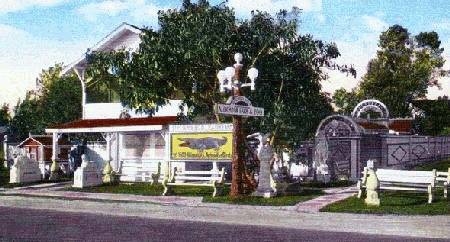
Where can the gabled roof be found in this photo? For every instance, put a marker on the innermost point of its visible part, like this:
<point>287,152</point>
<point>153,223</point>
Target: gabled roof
<point>113,41</point>
<point>45,140</point>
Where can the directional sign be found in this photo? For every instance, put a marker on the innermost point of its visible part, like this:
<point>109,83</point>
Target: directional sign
<point>239,110</point>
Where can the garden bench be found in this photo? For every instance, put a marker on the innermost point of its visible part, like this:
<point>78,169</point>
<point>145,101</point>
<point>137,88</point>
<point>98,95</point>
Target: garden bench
<point>400,180</point>
<point>214,179</point>
<point>443,180</point>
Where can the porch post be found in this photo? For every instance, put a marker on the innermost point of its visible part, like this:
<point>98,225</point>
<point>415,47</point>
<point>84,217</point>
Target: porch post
<point>54,169</point>
<point>5,151</point>
<point>108,174</point>
<point>80,73</point>
<point>117,153</point>
<point>167,166</point>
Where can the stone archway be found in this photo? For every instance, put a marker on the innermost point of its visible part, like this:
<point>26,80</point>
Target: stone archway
<point>341,134</point>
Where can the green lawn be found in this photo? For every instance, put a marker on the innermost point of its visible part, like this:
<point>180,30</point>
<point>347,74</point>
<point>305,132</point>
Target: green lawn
<point>312,184</point>
<point>439,166</point>
<point>288,200</point>
<point>147,189</point>
<point>400,203</point>
<point>4,176</point>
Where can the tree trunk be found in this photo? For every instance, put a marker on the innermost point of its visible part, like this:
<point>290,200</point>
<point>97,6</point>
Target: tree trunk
<point>237,165</point>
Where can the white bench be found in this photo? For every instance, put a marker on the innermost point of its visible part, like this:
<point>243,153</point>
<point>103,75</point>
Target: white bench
<point>214,179</point>
<point>443,180</point>
<point>400,180</point>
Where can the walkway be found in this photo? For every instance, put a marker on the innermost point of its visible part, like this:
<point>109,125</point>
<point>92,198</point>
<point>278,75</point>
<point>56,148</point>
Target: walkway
<point>56,190</point>
<point>332,195</point>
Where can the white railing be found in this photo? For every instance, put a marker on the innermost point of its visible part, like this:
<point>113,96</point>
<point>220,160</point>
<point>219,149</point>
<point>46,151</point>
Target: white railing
<point>113,110</point>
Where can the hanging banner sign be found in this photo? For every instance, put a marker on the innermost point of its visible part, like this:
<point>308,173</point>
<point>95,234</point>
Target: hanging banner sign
<point>239,110</point>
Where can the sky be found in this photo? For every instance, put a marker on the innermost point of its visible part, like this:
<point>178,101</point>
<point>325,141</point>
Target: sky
<point>36,34</point>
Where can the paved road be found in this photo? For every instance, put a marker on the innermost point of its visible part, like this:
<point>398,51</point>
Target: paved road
<point>45,225</point>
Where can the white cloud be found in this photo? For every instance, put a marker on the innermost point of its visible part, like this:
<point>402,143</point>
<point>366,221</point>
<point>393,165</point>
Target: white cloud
<point>111,8</point>
<point>244,7</point>
<point>139,10</point>
<point>443,25</point>
<point>6,31</point>
<point>374,24</point>
<point>24,56</point>
<point>8,6</point>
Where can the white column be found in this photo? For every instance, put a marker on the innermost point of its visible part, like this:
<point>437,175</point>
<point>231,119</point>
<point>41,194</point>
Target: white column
<point>108,137</point>
<point>81,76</point>
<point>5,147</point>
<point>55,152</point>
<point>117,153</point>
<point>167,166</point>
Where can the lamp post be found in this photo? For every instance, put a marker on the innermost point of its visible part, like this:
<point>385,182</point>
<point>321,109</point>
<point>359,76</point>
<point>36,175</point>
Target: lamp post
<point>229,80</point>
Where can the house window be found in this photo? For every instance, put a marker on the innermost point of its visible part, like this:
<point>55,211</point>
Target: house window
<point>160,146</point>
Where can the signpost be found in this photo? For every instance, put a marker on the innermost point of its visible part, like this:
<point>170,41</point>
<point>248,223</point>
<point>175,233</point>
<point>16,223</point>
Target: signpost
<point>237,106</point>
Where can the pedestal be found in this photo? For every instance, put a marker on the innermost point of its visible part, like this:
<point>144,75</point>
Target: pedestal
<point>24,170</point>
<point>264,188</point>
<point>87,175</point>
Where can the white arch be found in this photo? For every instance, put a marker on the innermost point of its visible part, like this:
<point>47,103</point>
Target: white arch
<point>348,120</point>
<point>371,105</point>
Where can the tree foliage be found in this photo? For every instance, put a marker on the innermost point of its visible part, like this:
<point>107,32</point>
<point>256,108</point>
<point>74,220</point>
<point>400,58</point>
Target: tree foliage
<point>181,60</point>
<point>58,101</point>
<point>345,101</point>
<point>434,118</point>
<point>5,115</point>
<point>405,66</point>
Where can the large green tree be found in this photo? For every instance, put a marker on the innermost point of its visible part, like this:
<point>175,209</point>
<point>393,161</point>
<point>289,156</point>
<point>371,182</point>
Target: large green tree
<point>58,101</point>
<point>181,60</point>
<point>404,67</point>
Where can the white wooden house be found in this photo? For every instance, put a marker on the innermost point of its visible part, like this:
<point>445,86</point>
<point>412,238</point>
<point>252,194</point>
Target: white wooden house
<point>133,145</point>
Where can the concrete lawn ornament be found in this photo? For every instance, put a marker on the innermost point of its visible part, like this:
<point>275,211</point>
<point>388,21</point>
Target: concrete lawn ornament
<point>372,186</point>
<point>265,156</point>
<point>24,170</point>
<point>109,175</point>
<point>87,175</point>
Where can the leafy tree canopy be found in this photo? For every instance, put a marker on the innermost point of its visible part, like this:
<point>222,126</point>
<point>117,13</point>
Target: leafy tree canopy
<point>181,60</point>
<point>58,101</point>
<point>5,115</point>
<point>405,66</point>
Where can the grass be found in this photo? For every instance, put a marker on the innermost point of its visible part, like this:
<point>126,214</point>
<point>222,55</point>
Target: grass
<point>287,200</point>
<point>4,176</point>
<point>316,184</point>
<point>147,189</point>
<point>439,166</point>
<point>399,203</point>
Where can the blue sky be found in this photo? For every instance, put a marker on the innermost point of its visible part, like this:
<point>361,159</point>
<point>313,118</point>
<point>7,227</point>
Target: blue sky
<point>35,34</point>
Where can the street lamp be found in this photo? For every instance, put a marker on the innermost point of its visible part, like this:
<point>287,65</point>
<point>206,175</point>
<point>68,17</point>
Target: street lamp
<point>229,80</point>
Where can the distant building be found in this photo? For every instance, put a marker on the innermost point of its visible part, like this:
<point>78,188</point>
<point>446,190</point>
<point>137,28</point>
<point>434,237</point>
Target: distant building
<point>40,149</point>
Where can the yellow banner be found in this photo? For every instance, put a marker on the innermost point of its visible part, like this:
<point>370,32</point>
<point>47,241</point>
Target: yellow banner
<point>201,146</point>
